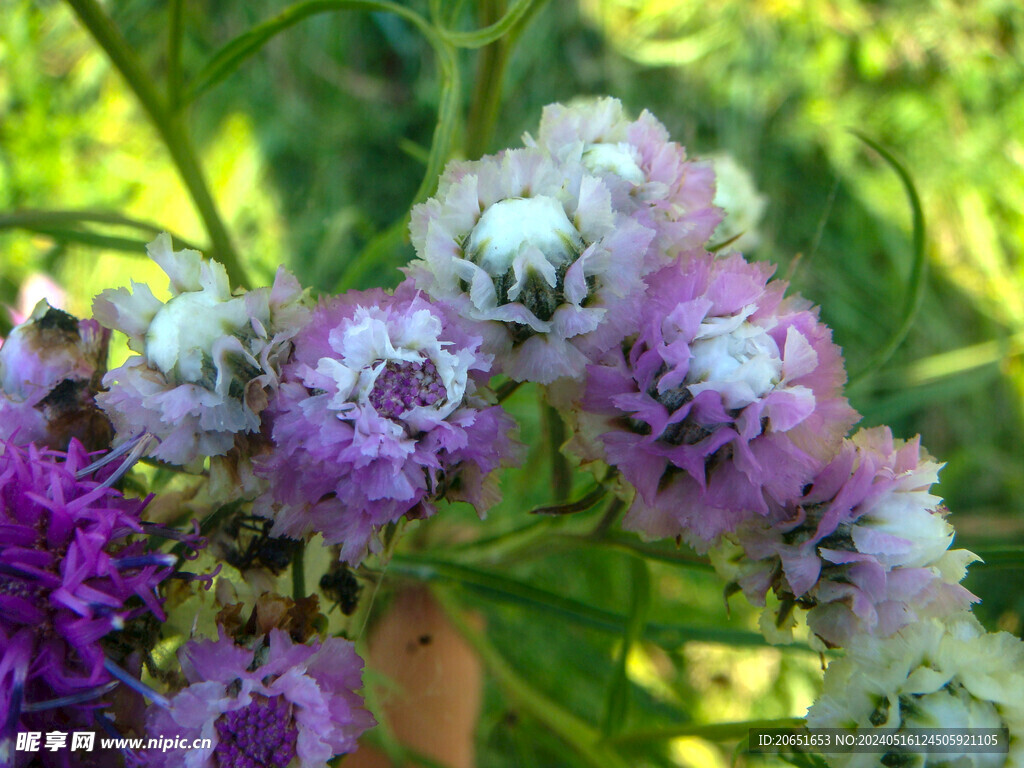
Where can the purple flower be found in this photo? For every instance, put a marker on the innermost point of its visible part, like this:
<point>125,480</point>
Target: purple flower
<point>68,577</point>
<point>537,254</point>
<point>728,398</point>
<point>648,175</point>
<point>378,416</point>
<point>208,360</point>
<point>50,370</point>
<point>263,708</point>
<point>865,549</point>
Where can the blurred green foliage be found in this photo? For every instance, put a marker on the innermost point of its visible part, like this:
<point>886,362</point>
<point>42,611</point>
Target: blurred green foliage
<point>315,148</point>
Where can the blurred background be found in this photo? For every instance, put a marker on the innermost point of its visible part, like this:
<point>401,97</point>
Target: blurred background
<point>314,150</point>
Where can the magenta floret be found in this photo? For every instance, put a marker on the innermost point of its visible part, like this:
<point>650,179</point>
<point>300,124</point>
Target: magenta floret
<point>379,415</point>
<point>264,707</point>
<point>728,398</point>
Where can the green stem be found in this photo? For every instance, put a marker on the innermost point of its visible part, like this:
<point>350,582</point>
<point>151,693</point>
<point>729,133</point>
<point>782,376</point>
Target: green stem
<point>577,733</point>
<point>561,473</point>
<point>486,98</point>
<point>299,573</point>
<point>174,12</point>
<point>171,130</point>
<point>914,293</point>
<point>712,731</point>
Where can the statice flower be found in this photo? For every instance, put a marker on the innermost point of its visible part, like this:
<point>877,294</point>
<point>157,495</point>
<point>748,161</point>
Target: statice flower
<point>932,674</point>
<point>728,398</point>
<point>68,576</point>
<point>50,370</point>
<point>537,253</point>
<point>865,549</point>
<point>280,704</point>
<point>648,174</point>
<point>742,204</point>
<point>208,360</point>
<point>379,415</point>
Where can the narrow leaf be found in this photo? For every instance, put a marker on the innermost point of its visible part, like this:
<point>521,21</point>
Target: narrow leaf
<point>230,57</point>
<point>915,284</point>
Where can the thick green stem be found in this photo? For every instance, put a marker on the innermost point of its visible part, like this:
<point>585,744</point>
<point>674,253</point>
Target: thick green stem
<point>483,110</point>
<point>171,130</point>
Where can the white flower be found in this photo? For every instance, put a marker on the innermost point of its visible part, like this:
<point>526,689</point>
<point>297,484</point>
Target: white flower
<point>934,674</point>
<point>736,194</point>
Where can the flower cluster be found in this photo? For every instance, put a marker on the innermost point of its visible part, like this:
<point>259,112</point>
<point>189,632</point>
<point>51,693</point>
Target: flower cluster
<point>580,262</point>
<point>379,415</point>
<point>546,247</point>
<point>50,370</point>
<point>932,674</point>
<point>208,360</point>
<point>266,707</point>
<point>69,576</point>
<point>727,399</point>
<point>865,549</point>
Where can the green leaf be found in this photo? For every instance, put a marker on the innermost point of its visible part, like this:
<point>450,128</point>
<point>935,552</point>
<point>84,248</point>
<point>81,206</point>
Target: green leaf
<point>915,284</point>
<point>581,504</point>
<point>69,225</point>
<point>230,57</point>
<point>497,587</point>
<point>617,703</point>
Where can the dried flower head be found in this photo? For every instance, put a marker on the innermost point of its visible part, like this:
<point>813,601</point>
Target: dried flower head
<point>50,370</point>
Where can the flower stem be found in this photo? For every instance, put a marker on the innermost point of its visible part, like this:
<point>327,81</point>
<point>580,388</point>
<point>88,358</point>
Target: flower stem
<point>171,130</point>
<point>486,98</point>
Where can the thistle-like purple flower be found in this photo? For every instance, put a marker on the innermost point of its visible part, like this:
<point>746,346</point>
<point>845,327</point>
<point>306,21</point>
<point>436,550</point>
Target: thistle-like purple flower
<point>264,708</point>
<point>208,360</point>
<point>865,550</point>
<point>648,175</point>
<point>68,577</point>
<point>728,398</point>
<point>50,369</point>
<point>536,252</point>
<point>378,416</point>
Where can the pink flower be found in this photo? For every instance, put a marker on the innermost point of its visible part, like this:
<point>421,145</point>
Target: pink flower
<point>537,254</point>
<point>264,707</point>
<point>379,415</point>
<point>68,577</point>
<point>208,360</point>
<point>865,550</point>
<point>648,175</point>
<point>727,399</point>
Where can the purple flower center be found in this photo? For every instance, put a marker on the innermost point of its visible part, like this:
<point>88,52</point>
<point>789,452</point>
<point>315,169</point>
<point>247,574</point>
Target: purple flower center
<point>402,386</point>
<point>261,735</point>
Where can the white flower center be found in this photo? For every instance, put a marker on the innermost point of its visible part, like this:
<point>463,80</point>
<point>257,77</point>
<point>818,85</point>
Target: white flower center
<point>511,226</point>
<point>735,358</point>
<point>619,159</point>
<point>181,336</point>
